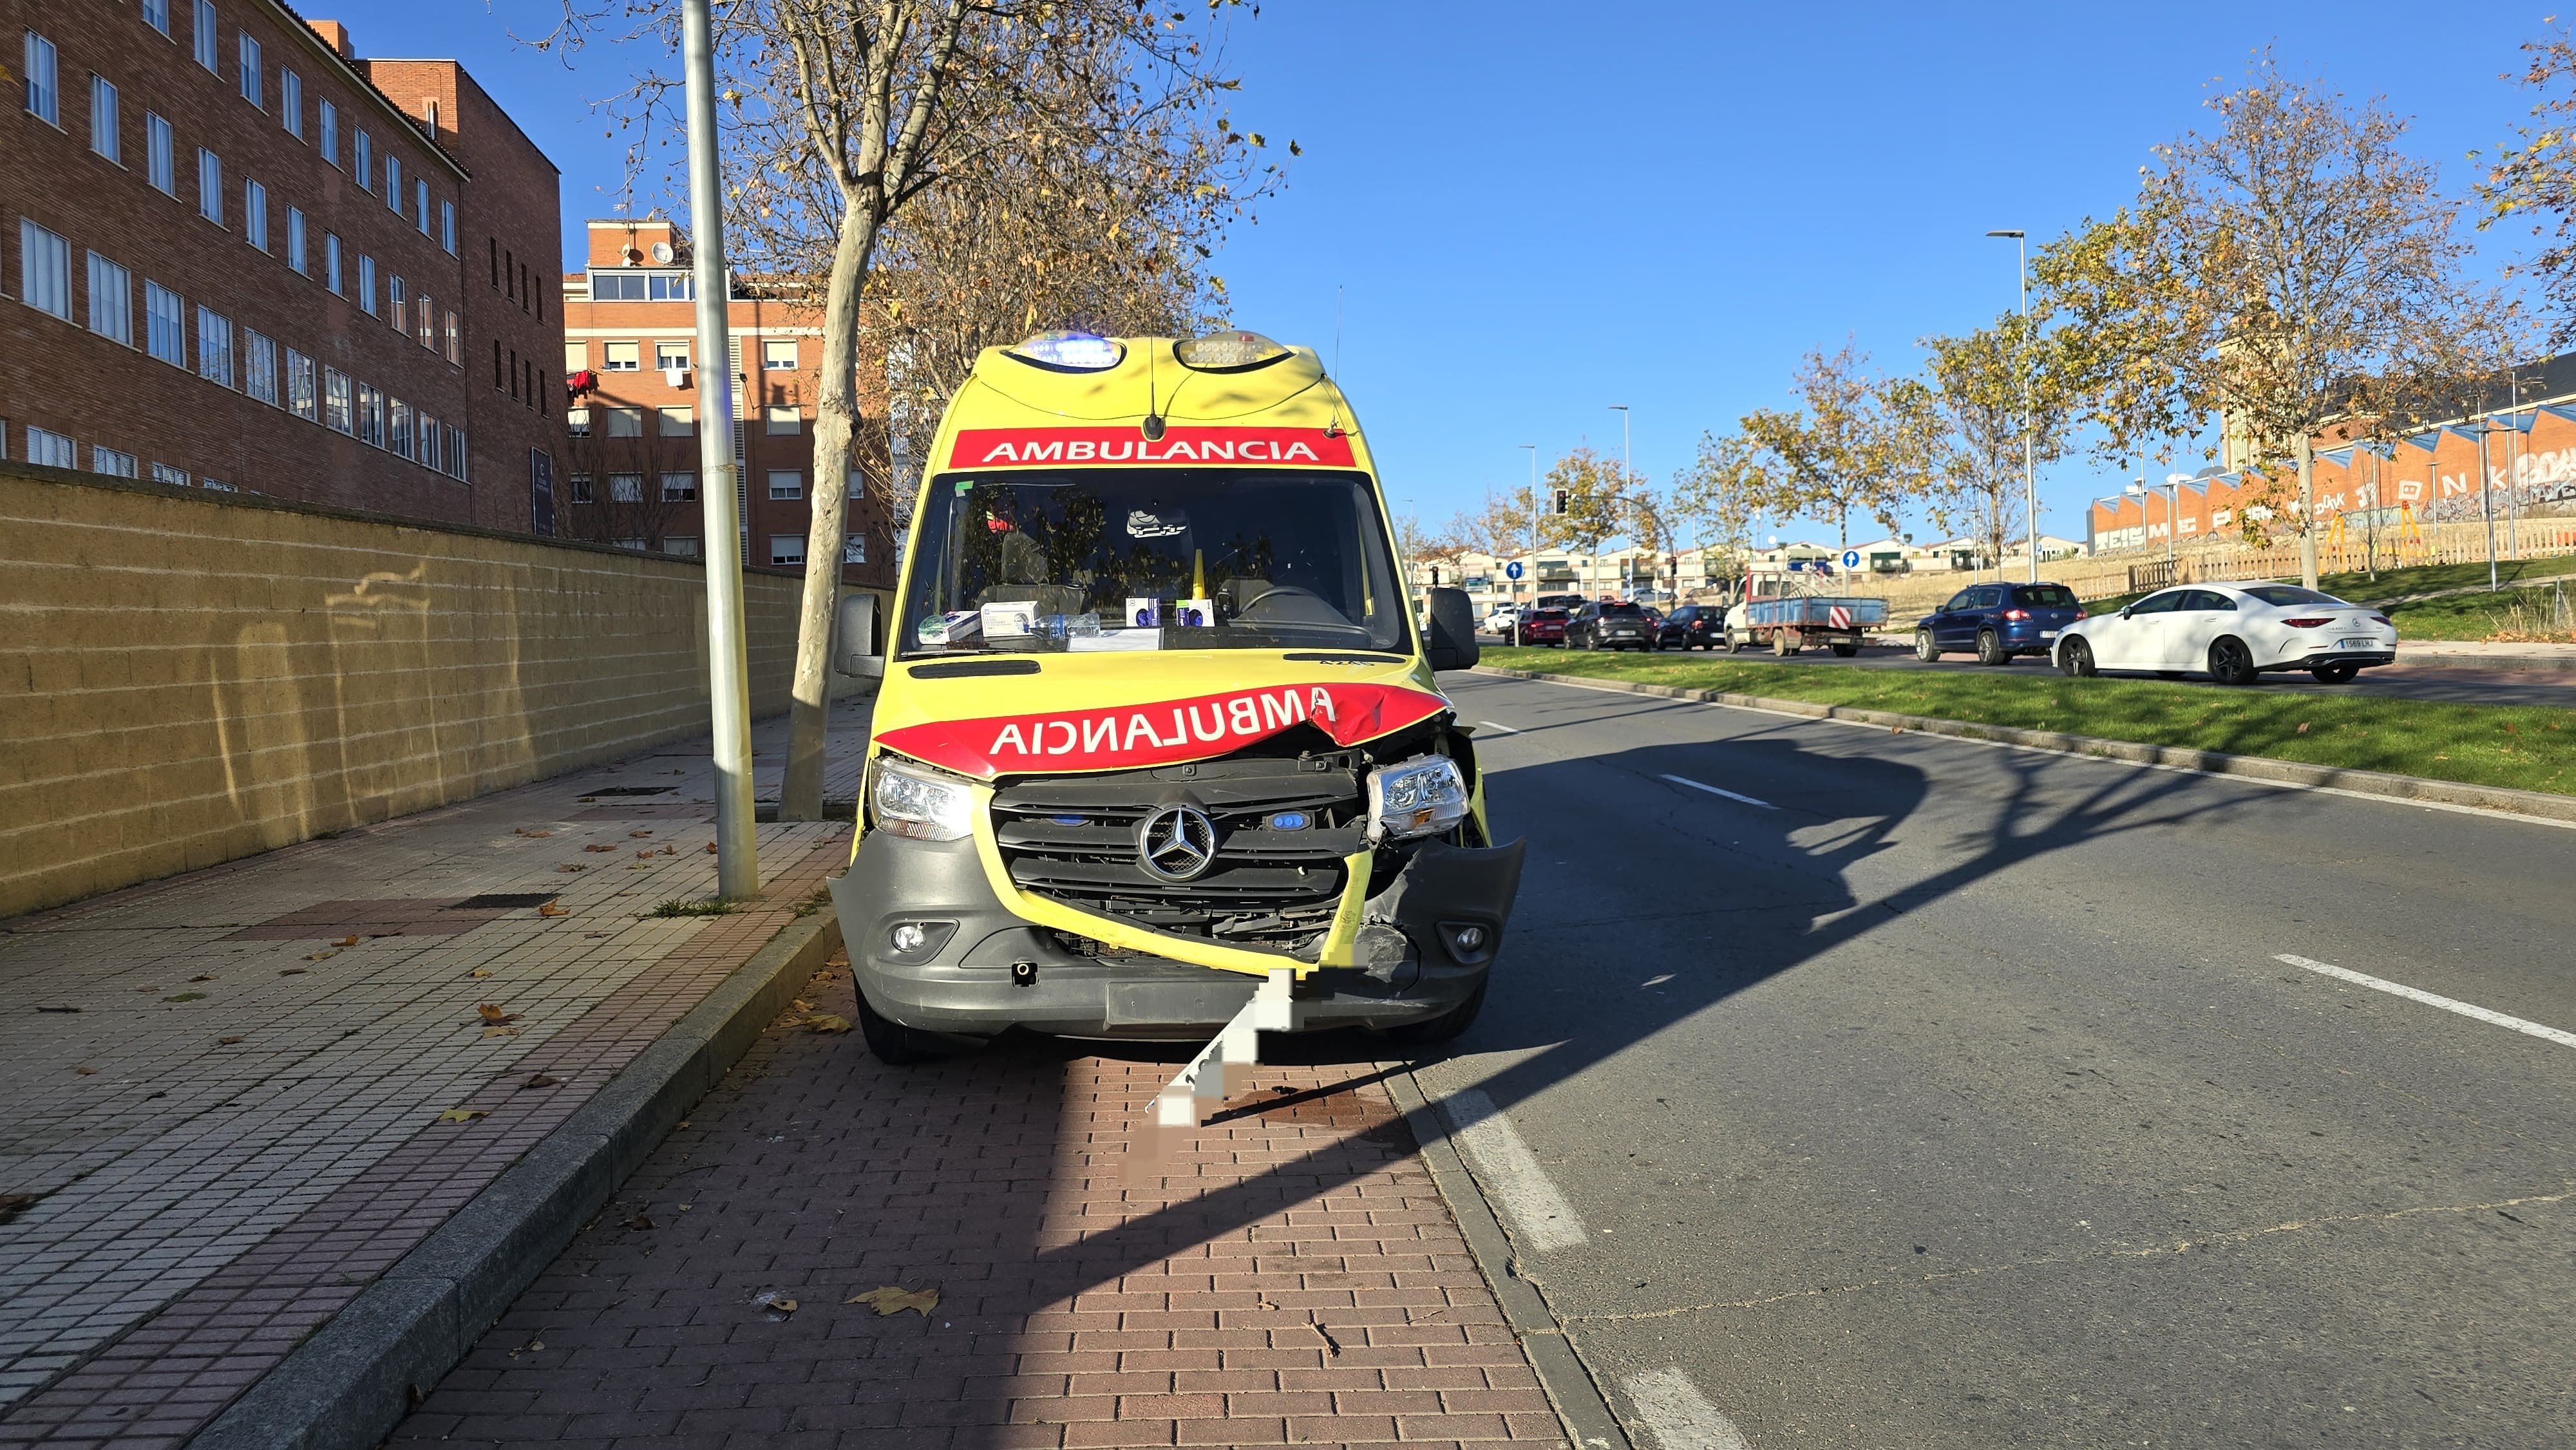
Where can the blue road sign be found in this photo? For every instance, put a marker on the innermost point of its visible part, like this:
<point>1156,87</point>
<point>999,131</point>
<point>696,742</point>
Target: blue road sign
<point>1512,570</point>
<point>1851,558</point>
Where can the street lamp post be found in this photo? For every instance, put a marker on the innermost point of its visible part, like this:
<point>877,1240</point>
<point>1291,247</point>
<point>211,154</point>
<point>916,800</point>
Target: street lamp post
<point>2029,476</point>
<point>1522,613</point>
<point>1630,564</point>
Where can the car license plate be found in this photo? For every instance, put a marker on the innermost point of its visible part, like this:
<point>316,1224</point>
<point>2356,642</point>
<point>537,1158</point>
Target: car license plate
<point>2048,634</point>
<point>2355,643</point>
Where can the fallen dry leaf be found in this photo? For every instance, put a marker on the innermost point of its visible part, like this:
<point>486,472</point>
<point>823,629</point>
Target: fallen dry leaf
<point>646,854</point>
<point>596,846</point>
<point>572,866</point>
<point>462,1115</point>
<point>500,1031</point>
<point>801,1005</point>
<point>638,835</point>
<point>894,1299</point>
<point>639,1221</point>
<point>2303,727</point>
<point>550,909</point>
<point>711,848</point>
<point>539,1079</point>
<point>203,977</point>
<point>324,955</point>
<point>775,1302</point>
<point>178,997</point>
<point>828,1022</point>
<point>349,940</point>
<point>480,972</point>
<point>670,850</point>
<point>532,835</point>
<point>86,1071</point>
<point>490,1012</point>
<point>226,1041</point>
<point>293,971</point>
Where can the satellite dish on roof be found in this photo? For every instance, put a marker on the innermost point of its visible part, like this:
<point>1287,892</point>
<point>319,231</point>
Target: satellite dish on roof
<point>661,251</point>
<point>632,257</point>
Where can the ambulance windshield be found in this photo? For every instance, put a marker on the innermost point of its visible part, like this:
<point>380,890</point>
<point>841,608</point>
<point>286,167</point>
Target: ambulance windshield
<point>1097,559</point>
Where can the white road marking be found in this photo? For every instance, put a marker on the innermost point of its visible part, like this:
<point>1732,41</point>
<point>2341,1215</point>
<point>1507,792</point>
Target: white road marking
<point>1490,725</point>
<point>2412,994</point>
<point>1713,790</point>
<point>1679,1416</point>
<point>1510,1172</point>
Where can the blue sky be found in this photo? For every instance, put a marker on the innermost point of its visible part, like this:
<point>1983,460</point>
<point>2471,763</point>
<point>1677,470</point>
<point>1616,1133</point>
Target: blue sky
<point>1535,211</point>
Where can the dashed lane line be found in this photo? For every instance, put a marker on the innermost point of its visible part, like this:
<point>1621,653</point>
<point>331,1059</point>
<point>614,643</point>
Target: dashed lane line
<point>1538,1213</point>
<point>1679,1416</point>
<point>2417,994</point>
<point>1491,725</point>
<point>1713,790</point>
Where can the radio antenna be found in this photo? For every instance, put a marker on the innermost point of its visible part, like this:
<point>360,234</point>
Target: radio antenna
<point>1333,428</point>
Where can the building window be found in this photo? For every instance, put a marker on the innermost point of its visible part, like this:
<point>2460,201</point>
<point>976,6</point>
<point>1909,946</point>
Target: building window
<point>165,324</point>
<point>362,164</point>
<point>854,547</point>
<point>394,301</point>
<point>680,546</point>
<point>331,263</point>
<point>50,449</point>
<point>255,214</point>
<point>210,186</point>
<point>787,548</point>
<point>330,133</point>
<point>577,422</point>
<point>447,226</point>
<point>456,453</point>
<point>111,300</point>
<point>777,355</point>
<point>679,488</point>
<point>371,416</point>
<point>621,357</point>
<point>164,473</point>
<point>579,483</point>
<point>248,55</point>
<point>425,322</point>
<point>393,184</point>
<point>108,460</point>
<point>625,488</point>
<point>337,412</point>
<point>455,344</point>
<point>156,13</point>
<point>302,398</point>
<point>420,205</point>
<point>290,103</point>
<point>783,418</point>
<point>428,452</point>
<point>671,357</point>
<point>259,366</point>
<point>367,285</point>
<point>205,36</point>
<point>495,243</point>
<point>214,346</point>
<point>102,120</point>
<point>216,484</point>
<point>679,422</point>
<point>160,162</point>
<point>398,427</point>
<point>625,422</point>
<point>576,356</point>
<point>44,270</point>
<point>44,98</point>
<point>786,483</point>
<point>295,241</point>
<point>636,544</point>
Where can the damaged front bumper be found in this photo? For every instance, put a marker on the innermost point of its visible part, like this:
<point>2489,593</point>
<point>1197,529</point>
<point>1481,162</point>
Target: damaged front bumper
<point>934,947</point>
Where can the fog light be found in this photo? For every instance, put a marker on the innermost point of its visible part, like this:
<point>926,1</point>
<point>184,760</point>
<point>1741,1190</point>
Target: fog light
<point>1470,938</point>
<point>908,938</point>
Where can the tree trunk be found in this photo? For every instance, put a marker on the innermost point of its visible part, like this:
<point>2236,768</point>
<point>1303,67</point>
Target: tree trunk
<point>836,416</point>
<point>2307,514</point>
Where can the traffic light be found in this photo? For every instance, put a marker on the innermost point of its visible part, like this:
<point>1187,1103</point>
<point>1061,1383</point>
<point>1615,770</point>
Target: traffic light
<point>1564,497</point>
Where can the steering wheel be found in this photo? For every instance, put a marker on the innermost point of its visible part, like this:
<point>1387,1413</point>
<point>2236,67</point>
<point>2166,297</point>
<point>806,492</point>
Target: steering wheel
<point>1244,609</point>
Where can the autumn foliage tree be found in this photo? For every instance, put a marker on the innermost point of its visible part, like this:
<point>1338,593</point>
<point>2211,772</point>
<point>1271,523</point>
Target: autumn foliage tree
<point>1981,396</point>
<point>1846,448</point>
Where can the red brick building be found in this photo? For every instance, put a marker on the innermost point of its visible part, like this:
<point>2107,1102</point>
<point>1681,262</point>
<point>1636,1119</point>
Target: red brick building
<point>235,254</point>
<point>631,461</point>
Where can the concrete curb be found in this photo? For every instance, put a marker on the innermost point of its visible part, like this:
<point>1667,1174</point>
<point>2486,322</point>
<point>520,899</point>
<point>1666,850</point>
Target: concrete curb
<point>2206,762</point>
<point>353,1381</point>
<point>2437,659</point>
<point>1579,1403</point>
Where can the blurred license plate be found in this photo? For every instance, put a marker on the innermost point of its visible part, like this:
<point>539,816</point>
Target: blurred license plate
<point>2355,643</point>
<point>2048,634</point>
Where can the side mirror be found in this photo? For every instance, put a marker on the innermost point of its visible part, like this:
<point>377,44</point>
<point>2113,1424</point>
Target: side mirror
<point>856,647</point>
<point>1449,639</point>
<point>2124,610</point>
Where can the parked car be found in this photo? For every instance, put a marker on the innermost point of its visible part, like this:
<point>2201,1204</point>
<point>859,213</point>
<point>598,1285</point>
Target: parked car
<point>1567,602</point>
<point>2233,633</point>
<point>1499,619</point>
<point>1693,626</point>
<point>1612,624</point>
<point>1995,622</point>
<point>1544,626</point>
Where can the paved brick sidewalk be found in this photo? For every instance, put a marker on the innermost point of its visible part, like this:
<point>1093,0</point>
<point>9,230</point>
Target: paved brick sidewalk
<point>227,1088</point>
<point>1298,1279</point>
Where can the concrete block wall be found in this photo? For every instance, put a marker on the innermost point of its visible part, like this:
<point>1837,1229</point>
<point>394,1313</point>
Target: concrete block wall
<point>188,677</point>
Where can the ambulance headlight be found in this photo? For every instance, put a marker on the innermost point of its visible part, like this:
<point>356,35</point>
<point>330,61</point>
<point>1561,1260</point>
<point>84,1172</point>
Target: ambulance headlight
<point>1423,796</point>
<point>1080,352</point>
<point>912,802</point>
<point>1228,351</point>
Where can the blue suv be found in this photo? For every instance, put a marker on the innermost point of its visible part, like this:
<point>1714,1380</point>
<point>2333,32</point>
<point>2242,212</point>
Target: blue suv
<point>1997,621</point>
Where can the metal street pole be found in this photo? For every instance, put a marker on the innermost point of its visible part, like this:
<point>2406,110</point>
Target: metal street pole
<point>728,675</point>
<point>1628,566</point>
<point>2029,451</point>
<point>2486,500</point>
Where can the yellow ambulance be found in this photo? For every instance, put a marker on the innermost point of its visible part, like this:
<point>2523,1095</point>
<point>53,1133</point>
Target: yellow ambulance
<point>1158,720</point>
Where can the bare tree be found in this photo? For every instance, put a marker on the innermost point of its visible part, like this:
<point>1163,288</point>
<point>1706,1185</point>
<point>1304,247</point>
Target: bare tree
<point>2274,272</point>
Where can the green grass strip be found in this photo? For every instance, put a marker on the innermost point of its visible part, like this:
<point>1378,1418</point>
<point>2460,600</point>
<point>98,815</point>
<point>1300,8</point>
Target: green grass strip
<point>2521,747</point>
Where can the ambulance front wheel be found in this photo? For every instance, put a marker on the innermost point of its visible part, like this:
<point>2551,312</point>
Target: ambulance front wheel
<point>892,1043</point>
<point>1444,1027</point>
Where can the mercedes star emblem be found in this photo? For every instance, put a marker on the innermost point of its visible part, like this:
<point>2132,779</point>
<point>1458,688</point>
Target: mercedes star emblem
<point>1175,843</point>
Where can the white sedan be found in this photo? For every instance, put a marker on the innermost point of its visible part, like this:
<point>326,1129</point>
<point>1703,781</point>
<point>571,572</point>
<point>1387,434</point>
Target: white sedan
<point>1502,619</point>
<point>2231,632</point>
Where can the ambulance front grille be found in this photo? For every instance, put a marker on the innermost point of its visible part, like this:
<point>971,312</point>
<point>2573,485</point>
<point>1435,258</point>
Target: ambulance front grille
<point>1274,884</point>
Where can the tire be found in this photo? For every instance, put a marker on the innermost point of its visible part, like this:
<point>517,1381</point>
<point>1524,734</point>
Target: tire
<point>1780,644</point>
<point>1924,649</point>
<point>1444,1027</point>
<point>2230,662</point>
<point>1845,648</point>
<point>2335,674</point>
<point>1734,645</point>
<point>1990,648</point>
<point>891,1043</point>
<point>2075,657</point>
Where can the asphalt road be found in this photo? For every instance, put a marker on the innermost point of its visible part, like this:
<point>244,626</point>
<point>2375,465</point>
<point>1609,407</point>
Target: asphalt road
<point>1943,1095</point>
<point>2459,684</point>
